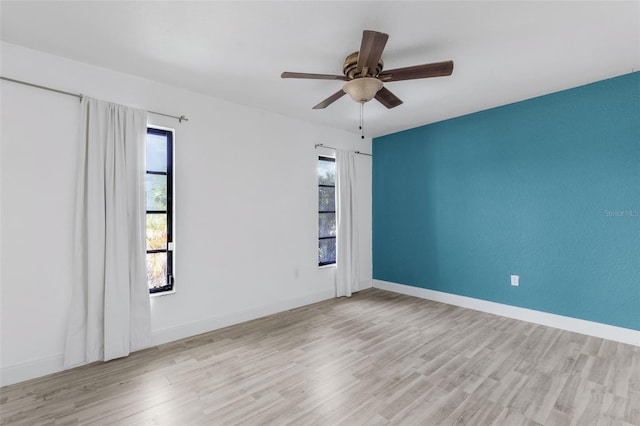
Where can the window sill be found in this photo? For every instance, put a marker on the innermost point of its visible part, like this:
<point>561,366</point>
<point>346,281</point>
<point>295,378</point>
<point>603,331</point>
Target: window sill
<point>162,293</point>
<point>332,265</point>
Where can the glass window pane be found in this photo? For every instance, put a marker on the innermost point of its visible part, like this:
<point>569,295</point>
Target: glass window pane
<point>327,226</point>
<point>156,269</point>
<point>156,231</point>
<point>327,251</point>
<point>326,172</point>
<point>156,187</point>
<point>326,198</point>
<point>156,153</point>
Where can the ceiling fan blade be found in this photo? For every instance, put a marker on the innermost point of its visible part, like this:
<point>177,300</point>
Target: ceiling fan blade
<point>331,99</point>
<point>313,76</point>
<point>388,99</point>
<point>371,49</point>
<point>436,69</point>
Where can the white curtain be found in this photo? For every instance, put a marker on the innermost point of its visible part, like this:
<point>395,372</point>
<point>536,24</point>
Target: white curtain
<point>109,315</point>
<point>347,275</point>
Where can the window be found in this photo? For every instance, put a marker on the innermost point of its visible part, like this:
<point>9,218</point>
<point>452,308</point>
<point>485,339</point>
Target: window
<point>159,200</point>
<point>326,211</point>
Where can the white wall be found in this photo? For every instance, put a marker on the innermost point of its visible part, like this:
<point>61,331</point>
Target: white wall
<point>246,199</point>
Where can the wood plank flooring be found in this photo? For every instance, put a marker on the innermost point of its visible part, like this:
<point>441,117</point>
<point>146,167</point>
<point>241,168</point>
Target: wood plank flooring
<point>376,358</point>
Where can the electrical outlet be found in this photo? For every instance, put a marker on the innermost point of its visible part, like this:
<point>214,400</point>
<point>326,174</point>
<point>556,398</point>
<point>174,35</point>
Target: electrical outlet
<point>515,280</point>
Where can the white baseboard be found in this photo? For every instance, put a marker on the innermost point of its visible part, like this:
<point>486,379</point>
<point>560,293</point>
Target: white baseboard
<point>55,363</point>
<point>365,284</point>
<point>170,334</point>
<point>31,369</point>
<point>590,328</point>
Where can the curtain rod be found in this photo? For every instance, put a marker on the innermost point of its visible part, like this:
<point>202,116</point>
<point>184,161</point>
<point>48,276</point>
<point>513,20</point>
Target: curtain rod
<point>321,145</point>
<point>80,96</point>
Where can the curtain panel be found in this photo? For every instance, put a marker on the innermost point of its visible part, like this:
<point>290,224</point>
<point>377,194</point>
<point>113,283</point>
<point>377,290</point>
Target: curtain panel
<point>347,256</point>
<point>109,315</point>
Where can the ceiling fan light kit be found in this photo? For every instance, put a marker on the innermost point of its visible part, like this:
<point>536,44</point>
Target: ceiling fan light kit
<point>362,89</point>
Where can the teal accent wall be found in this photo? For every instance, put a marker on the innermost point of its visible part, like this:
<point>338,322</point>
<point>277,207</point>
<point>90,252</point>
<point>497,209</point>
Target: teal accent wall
<point>547,188</point>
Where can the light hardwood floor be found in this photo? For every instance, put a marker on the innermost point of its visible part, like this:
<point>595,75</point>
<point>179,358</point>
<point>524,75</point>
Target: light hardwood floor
<point>377,358</point>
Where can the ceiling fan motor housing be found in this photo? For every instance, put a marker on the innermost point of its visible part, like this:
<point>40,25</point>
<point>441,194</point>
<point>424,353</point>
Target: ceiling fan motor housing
<point>350,67</point>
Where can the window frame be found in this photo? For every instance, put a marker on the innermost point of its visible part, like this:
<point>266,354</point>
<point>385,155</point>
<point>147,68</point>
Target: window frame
<point>169,288</point>
<point>334,238</point>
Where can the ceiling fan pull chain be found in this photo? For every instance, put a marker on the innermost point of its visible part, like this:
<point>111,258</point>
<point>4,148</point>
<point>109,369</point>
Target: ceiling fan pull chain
<point>361,120</point>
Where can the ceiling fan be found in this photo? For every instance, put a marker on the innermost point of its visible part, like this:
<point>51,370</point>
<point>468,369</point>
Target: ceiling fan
<point>364,75</point>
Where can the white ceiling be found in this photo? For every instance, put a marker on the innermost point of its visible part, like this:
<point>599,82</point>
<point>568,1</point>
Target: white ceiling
<point>503,51</point>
